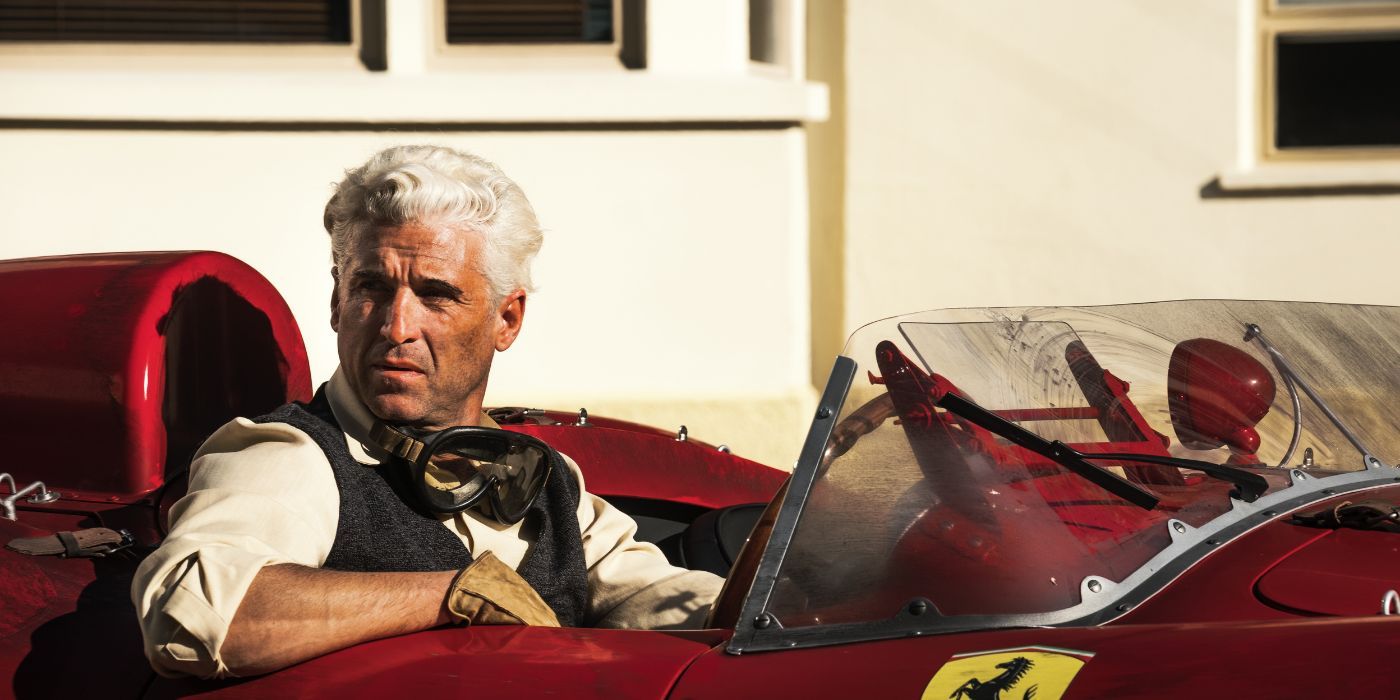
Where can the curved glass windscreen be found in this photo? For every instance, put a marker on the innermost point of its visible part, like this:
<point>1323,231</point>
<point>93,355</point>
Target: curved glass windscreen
<point>1002,462</point>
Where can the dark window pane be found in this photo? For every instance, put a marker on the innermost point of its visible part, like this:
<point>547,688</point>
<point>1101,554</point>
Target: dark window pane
<point>528,21</point>
<point>763,42</point>
<point>1338,91</point>
<point>246,21</point>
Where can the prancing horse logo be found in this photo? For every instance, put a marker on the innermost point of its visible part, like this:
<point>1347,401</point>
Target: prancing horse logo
<point>1022,673</point>
<point>975,689</point>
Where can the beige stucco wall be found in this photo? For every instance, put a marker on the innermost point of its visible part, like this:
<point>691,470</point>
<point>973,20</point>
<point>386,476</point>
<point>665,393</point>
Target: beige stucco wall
<point>706,272</point>
<point>672,285</point>
<point>673,282</point>
<point>1006,153</point>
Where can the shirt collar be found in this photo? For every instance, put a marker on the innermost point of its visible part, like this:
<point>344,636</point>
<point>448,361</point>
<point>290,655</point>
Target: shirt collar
<point>356,420</point>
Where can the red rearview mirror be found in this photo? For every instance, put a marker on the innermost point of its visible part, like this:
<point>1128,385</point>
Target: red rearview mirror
<point>1217,394</point>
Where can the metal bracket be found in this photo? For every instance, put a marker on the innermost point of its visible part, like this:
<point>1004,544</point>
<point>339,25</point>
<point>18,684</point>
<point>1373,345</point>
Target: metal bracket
<point>7,504</point>
<point>1293,379</point>
<point>515,415</point>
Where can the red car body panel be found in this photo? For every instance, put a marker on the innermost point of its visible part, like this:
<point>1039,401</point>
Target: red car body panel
<point>626,459</point>
<point>487,661</point>
<point>67,626</point>
<point>113,358</point>
<point>1300,658</point>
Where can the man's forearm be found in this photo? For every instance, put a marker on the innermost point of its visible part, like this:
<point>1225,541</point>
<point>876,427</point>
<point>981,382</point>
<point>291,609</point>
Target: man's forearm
<point>293,613</point>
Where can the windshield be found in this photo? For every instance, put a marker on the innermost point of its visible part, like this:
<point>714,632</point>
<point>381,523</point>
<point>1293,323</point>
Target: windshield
<point>916,505</point>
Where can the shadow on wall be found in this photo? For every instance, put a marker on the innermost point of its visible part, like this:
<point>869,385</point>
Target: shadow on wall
<point>1214,190</point>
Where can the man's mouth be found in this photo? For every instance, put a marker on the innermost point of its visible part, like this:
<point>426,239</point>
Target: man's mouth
<point>397,367</point>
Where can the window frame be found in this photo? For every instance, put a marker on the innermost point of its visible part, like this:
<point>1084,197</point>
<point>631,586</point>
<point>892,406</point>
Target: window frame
<point>1359,18</point>
<point>534,55</point>
<point>685,78</point>
<point>158,55</point>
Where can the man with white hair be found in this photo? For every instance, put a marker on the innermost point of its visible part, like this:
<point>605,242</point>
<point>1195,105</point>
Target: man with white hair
<point>323,525</point>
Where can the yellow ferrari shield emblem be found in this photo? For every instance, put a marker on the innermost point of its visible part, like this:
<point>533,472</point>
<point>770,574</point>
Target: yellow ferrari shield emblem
<point>1028,673</point>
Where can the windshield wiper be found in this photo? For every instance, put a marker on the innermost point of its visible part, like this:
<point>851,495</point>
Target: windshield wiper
<point>1251,486</point>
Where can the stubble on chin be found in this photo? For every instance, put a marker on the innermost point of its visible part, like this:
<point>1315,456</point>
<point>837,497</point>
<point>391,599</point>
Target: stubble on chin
<point>395,408</point>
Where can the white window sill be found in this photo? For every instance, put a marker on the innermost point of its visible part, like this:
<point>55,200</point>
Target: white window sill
<point>1313,175</point>
<point>332,97</point>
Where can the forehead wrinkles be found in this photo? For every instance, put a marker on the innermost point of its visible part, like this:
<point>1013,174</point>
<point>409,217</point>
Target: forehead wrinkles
<point>419,248</point>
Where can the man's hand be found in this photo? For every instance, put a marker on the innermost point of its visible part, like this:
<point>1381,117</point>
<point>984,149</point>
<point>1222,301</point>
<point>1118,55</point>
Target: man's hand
<point>490,593</point>
<point>293,613</point>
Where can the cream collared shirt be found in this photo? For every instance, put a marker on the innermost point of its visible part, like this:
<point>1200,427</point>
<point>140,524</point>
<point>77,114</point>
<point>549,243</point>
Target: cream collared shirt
<point>264,494</point>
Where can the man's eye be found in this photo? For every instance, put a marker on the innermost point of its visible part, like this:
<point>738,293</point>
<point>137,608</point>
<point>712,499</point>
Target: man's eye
<point>436,295</point>
<point>370,286</point>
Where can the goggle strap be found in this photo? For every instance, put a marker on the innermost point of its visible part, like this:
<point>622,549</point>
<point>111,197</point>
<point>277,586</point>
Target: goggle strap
<point>394,442</point>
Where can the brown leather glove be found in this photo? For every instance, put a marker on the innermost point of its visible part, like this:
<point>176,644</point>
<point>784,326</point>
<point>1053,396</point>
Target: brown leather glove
<point>490,593</point>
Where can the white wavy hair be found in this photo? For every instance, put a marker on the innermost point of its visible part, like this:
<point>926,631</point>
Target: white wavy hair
<point>441,188</point>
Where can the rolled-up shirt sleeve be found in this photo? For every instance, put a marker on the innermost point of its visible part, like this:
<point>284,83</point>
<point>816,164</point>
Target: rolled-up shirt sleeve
<point>631,583</point>
<point>263,494</point>
<point>259,494</point>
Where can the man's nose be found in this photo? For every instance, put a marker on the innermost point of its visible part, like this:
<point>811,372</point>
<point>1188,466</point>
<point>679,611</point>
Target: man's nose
<point>401,318</point>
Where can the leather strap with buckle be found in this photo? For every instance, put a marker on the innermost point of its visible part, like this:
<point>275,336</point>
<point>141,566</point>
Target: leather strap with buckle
<point>78,544</point>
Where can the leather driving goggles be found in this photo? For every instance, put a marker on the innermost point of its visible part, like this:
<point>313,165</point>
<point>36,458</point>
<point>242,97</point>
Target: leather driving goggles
<point>499,471</point>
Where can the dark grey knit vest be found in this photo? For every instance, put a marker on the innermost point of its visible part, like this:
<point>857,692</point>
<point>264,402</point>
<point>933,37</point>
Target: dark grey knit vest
<point>382,526</point>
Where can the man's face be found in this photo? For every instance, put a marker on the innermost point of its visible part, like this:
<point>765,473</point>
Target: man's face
<point>417,326</point>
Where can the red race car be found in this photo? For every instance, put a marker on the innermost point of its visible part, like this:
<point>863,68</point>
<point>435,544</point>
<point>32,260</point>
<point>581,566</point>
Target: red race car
<point>1176,499</point>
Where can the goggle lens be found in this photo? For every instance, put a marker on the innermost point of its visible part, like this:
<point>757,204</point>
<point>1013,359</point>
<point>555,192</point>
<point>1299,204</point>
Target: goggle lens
<point>460,466</point>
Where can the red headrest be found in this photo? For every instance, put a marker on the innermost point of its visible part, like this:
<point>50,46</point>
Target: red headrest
<point>115,366</point>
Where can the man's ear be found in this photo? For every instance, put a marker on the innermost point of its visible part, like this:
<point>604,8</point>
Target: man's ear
<point>509,317</point>
<point>335,299</point>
